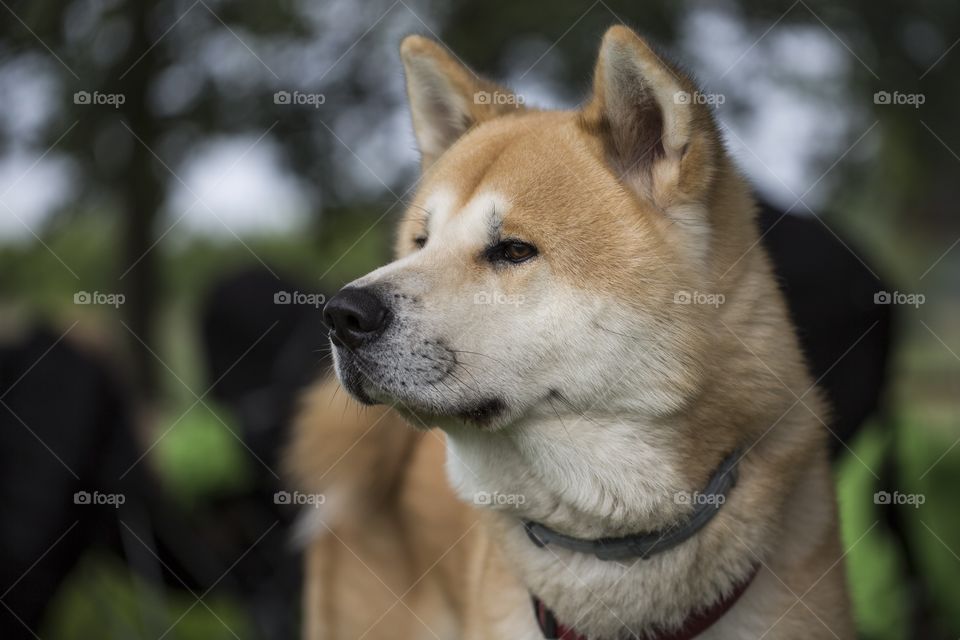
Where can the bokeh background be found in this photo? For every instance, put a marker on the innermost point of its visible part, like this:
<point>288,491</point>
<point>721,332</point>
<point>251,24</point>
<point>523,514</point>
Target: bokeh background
<point>151,151</point>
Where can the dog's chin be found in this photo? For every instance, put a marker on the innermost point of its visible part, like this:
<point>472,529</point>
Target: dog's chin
<point>489,413</point>
<point>421,410</point>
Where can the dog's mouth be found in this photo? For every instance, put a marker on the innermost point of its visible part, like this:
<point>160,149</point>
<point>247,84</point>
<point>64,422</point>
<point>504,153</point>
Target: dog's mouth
<point>423,405</point>
<point>355,381</point>
<point>484,412</point>
<point>482,415</point>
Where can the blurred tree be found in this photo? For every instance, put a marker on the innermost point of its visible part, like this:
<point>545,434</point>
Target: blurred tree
<point>140,86</point>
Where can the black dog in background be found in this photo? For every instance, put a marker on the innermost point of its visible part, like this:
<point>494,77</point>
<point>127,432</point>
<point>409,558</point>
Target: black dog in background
<point>65,426</point>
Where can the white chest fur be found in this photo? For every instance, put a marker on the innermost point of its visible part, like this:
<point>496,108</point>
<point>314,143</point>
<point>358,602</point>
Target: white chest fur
<point>612,485</point>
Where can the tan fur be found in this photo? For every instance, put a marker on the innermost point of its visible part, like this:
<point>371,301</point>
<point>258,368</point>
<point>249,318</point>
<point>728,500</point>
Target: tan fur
<point>388,519</point>
<point>626,218</point>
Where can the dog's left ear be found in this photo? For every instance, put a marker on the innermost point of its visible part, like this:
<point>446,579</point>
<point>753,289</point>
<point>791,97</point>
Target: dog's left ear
<point>446,98</point>
<point>659,138</point>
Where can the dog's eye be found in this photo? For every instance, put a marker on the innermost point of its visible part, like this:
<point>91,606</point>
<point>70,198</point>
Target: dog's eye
<point>511,251</point>
<point>420,242</point>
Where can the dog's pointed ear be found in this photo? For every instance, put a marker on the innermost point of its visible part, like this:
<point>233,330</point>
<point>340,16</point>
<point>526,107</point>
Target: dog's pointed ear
<point>659,138</point>
<point>446,98</point>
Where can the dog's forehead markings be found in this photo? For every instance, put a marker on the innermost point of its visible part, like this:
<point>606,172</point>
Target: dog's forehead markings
<point>440,205</point>
<point>479,220</point>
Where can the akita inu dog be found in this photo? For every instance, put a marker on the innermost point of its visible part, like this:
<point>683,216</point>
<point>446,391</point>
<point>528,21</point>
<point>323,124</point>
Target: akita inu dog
<point>631,440</point>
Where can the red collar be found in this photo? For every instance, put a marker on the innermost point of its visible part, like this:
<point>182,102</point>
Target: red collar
<point>695,624</point>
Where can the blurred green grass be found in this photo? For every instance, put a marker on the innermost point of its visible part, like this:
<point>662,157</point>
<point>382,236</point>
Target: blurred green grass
<point>103,600</point>
<point>200,458</point>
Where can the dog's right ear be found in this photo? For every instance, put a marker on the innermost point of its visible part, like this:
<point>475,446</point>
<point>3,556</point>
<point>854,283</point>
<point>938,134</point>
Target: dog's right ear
<point>660,140</point>
<point>446,98</point>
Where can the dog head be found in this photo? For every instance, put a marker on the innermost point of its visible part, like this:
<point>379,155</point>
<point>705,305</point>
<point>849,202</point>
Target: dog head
<point>539,263</point>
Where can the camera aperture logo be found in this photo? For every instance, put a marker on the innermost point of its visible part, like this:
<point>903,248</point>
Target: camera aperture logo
<point>299,98</point>
<point>98,297</point>
<point>498,98</point>
<point>898,297</point>
<point>99,99</point>
<point>497,499</point>
<point>914,500</point>
<point>699,297</point>
<point>900,99</point>
<point>315,300</point>
<point>96,498</point>
<point>300,499</point>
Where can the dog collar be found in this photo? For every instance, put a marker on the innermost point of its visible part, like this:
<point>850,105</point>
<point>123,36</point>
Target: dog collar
<point>644,545</point>
<point>695,624</point>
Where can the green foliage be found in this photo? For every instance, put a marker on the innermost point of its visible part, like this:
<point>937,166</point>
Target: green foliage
<point>201,455</point>
<point>102,599</point>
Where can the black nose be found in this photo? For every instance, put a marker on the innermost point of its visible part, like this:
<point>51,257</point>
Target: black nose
<point>355,316</point>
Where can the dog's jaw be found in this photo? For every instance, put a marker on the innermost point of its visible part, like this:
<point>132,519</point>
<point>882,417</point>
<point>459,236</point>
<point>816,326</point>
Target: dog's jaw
<point>363,378</point>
